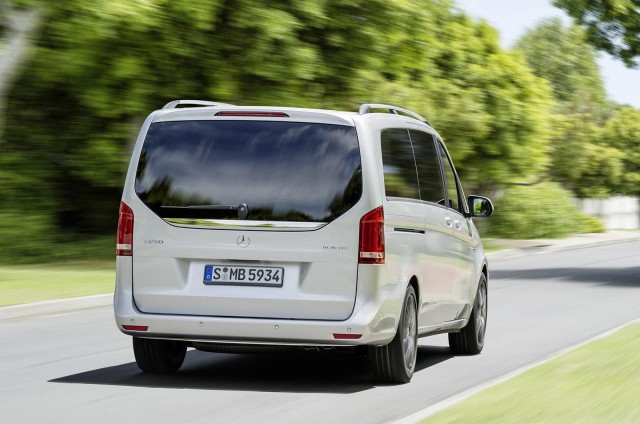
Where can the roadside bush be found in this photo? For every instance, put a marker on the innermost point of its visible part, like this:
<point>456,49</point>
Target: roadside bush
<point>25,238</point>
<point>541,211</point>
<point>30,238</point>
<point>83,248</point>
<point>591,224</point>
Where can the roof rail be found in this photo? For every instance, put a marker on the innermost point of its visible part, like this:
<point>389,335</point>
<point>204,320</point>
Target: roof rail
<point>366,108</point>
<point>174,104</point>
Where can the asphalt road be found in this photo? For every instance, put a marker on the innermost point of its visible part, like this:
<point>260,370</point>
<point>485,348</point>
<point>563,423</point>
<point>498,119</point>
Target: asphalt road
<point>77,367</point>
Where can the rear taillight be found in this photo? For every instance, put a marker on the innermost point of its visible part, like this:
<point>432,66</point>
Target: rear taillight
<point>124,244</point>
<point>372,237</point>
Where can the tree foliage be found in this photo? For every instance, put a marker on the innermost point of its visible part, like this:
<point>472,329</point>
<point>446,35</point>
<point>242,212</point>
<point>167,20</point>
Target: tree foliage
<point>612,25</point>
<point>562,56</point>
<point>623,132</point>
<point>484,100</point>
<point>99,67</point>
<point>583,158</point>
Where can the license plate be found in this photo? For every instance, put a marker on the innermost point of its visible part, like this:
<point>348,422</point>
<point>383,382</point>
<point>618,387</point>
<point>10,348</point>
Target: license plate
<point>243,275</point>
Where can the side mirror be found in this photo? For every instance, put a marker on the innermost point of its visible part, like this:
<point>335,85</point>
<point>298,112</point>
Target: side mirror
<point>481,207</point>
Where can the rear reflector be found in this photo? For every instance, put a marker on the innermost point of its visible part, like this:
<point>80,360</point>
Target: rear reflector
<point>135,327</point>
<point>125,231</point>
<point>372,237</point>
<point>258,114</point>
<point>346,336</point>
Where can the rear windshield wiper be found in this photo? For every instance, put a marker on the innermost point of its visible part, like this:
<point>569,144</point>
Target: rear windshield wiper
<point>205,211</point>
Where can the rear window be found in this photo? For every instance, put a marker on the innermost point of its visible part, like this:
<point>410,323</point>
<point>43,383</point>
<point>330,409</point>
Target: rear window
<point>253,170</point>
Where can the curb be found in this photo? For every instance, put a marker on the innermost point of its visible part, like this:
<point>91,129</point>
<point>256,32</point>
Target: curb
<point>55,306</point>
<point>517,252</point>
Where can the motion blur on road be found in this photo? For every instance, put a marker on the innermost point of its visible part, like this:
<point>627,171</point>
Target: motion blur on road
<point>77,366</point>
<point>530,126</point>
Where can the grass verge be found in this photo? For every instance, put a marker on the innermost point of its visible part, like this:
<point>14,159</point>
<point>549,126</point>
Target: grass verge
<point>34,283</point>
<point>596,383</point>
<point>492,245</point>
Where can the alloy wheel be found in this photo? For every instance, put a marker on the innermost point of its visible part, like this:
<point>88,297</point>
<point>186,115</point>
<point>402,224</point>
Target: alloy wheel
<point>409,342</point>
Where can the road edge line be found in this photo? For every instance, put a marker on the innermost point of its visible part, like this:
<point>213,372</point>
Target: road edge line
<point>519,252</point>
<point>446,403</point>
<point>45,307</point>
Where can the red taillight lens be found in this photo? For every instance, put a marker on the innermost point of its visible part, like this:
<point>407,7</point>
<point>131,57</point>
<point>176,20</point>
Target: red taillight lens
<point>372,237</point>
<point>124,244</point>
<point>346,336</point>
<point>258,114</point>
<point>135,327</point>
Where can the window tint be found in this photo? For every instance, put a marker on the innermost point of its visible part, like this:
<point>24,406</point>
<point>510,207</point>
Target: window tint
<point>400,178</point>
<point>282,171</point>
<point>429,175</point>
<point>452,186</point>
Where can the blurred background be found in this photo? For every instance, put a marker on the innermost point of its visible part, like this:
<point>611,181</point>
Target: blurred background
<point>530,124</point>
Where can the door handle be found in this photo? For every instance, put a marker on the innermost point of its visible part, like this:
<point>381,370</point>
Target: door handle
<point>457,224</point>
<point>447,220</point>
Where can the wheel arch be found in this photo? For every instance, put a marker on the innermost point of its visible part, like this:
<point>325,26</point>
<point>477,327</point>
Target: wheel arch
<point>413,281</point>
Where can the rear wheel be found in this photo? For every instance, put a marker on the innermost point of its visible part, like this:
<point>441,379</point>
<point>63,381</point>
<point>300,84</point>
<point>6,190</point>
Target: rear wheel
<point>159,356</point>
<point>396,362</point>
<point>470,340</point>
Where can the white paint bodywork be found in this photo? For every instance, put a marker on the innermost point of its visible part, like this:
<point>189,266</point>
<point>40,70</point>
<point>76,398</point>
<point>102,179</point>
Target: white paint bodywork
<point>325,290</point>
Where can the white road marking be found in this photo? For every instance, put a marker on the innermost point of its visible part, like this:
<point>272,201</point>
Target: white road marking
<point>55,315</point>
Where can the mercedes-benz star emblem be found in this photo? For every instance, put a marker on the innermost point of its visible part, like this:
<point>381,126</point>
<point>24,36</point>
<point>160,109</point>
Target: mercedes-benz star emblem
<point>243,241</point>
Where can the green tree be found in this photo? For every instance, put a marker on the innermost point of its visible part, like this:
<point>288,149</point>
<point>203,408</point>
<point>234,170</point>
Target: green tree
<point>623,132</point>
<point>612,25</point>
<point>562,56</point>
<point>581,159</point>
<point>485,101</point>
<point>100,66</point>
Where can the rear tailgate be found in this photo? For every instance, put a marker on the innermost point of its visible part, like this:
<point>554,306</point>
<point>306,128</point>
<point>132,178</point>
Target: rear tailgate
<point>247,218</point>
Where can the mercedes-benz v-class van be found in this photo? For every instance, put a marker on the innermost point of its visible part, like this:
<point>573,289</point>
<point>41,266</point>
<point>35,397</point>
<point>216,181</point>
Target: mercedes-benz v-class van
<point>245,228</point>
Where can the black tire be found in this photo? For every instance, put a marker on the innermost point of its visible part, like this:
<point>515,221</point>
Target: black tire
<point>159,356</point>
<point>470,340</point>
<point>396,362</point>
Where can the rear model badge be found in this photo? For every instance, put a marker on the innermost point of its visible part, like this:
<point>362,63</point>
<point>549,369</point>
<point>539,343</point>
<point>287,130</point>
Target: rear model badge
<point>153,241</point>
<point>243,241</point>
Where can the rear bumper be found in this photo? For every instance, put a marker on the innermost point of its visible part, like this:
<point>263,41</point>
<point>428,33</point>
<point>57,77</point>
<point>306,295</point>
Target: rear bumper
<point>375,318</point>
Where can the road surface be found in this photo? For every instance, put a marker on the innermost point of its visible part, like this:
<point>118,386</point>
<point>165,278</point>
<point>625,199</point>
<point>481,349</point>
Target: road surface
<point>77,367</point>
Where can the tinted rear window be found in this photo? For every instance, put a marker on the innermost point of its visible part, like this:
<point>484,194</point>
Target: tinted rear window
<point>282,171</point>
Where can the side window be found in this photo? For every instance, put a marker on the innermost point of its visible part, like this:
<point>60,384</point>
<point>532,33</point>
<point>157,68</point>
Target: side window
<point>429,175</point>
<point>450,176</point>
<point>400,178</point>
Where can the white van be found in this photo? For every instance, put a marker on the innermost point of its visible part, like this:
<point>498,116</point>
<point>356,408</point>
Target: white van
<point>246,228</point>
